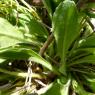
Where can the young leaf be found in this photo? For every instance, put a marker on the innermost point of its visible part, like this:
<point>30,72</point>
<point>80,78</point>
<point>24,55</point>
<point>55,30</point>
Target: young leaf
<point>65,27</point>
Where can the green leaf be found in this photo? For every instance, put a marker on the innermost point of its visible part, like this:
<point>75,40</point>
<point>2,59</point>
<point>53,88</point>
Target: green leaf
<point>85,53</point>
<point>65,27</point>
<point>87,44</point>
<point>58,88</point>
<point>90,5</point>
<point>1,60</point>
<point>9,35</point>
<point>77,55</point>
<point>77,87</point>
<point>14,53</point>
<point>90,81</point>
<point>49,4</point>
<point>25,53</point>
<point>31,23</point>
<point>91,14</point>
<point>89,59</point>
<point>37,28</point>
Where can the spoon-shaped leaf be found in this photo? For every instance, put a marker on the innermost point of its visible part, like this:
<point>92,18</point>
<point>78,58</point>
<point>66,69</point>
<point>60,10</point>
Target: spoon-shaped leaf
<point>65,27</point>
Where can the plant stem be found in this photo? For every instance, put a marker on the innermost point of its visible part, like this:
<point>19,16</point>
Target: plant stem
<point>46,44</point>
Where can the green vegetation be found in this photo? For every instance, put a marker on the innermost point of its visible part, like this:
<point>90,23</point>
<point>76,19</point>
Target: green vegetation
<point>47,48</point>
